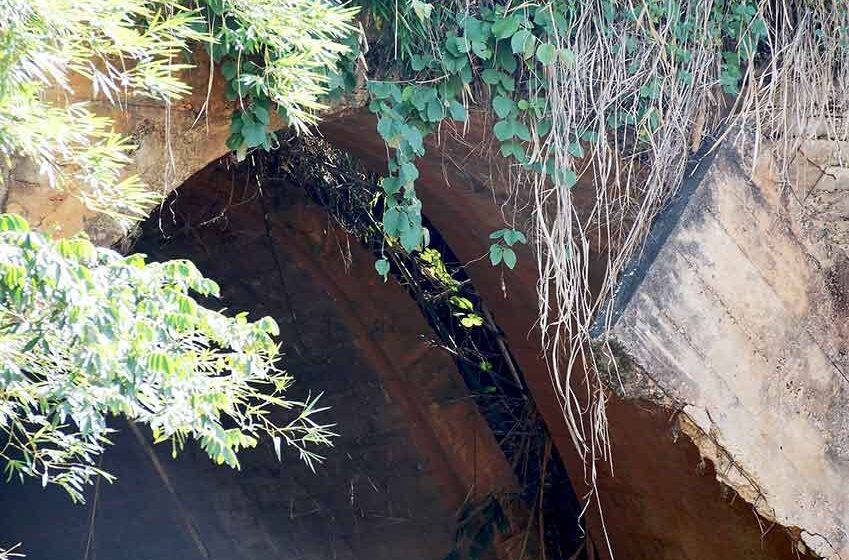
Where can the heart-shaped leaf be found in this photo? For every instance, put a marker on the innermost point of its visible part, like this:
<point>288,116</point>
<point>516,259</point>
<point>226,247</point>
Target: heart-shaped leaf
<point>546,54</point>
<point>503,106</point>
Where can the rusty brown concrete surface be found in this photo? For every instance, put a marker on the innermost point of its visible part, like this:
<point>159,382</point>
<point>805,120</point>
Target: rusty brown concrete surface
<point>412,450</point>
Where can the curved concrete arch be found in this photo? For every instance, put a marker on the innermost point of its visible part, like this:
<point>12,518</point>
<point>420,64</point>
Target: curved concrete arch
<point>413,451</point>
<point>661,503</point>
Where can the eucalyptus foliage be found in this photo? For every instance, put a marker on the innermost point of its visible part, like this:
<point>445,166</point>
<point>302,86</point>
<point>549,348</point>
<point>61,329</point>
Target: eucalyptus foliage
<point>86,334</point>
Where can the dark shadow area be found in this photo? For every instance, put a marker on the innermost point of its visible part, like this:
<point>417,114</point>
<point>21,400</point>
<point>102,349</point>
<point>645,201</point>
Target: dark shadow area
<point>426,440</point>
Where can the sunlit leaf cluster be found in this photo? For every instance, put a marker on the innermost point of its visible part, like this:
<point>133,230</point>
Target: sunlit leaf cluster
<point>277,56</point>
<point>87,334</point>
<point>49,50</point>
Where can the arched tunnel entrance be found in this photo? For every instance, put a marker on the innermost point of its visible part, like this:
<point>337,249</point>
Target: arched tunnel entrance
<point>423,466</point>
<point>414,446</point>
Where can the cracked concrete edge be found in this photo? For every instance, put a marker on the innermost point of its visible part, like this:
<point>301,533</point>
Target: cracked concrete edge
<point>628,380</point>
<point>698,426</point>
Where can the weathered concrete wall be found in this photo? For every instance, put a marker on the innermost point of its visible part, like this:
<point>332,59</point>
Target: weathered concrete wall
<point>737,313</point>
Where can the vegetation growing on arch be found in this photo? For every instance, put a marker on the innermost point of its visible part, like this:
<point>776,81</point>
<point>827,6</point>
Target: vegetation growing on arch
<point>277,55</point>
<point>618,93</point>
<point>87,334</point>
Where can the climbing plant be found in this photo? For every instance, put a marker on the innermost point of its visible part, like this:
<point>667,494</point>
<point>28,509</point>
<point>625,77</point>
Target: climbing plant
<point>617,93</point>
<point>86,334</point>
<point>509,50</point>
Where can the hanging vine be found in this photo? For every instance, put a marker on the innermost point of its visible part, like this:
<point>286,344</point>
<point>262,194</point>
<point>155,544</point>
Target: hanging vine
<point>612,94</point>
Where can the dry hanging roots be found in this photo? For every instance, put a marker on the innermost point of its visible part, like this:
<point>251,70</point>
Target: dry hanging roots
<point>795,87</point>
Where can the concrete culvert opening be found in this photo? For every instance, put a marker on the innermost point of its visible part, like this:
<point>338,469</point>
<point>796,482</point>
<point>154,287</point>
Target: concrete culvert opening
<point>439,454</point>
<point>423,464</point>
<point>701,414</point>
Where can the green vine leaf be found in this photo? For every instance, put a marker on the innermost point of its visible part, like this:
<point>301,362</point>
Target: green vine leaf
<point>458,111</point>
<point>472,320</point>
<point>515,150</point>
<point>408,173</point>
<point>567,177</point>
<point>228,69</point>
<point>512,236</point>
<point>411,237</point>
<point>505,60</point>
<point>382,268</point>
<point>503,106</point>
<point>392,219</point>
<point>509,257</point>
<point>261,114</point>
<point>421,97</point>
<point>496,252</point>
<point>546,54</point>
<point>420,62</point>
<point>492,77</point>
<point>435,111</point>
<point>388,129</point>
<point>253,133</point>
<point>414,139</point>
<point>391,185</point>
<point>511,128</point>
<point>576,150</point>
<point>506,27</point>
<point>523,43</point>
<point>384,90</point>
